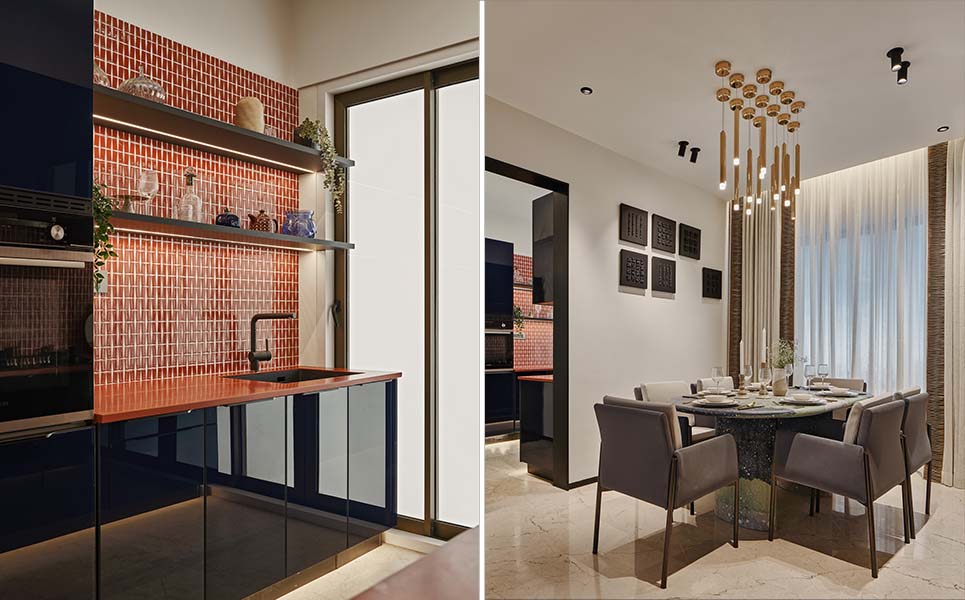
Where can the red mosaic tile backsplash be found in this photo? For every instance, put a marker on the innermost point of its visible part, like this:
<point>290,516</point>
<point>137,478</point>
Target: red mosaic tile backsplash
<point>535,349</point>
<point>194,81</point>
<point>179,307</point>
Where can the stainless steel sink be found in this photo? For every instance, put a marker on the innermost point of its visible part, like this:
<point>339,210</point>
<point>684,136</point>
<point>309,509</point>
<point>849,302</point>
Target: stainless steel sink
<point>292,375</point>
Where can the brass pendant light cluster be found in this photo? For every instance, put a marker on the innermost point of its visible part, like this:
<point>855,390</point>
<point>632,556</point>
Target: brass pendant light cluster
<point>772,101</point>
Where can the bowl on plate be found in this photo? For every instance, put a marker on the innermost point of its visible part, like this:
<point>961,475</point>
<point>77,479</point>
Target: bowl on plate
<point>716,399</point>
<point>801,397</point>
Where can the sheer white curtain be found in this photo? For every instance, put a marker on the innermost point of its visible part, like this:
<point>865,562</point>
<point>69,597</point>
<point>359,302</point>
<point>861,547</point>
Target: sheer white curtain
<point>860,284</point>
<point>953,460</point>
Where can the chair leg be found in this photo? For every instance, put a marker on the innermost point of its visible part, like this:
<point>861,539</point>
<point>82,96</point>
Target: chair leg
<point>817,501</point>
<point>911,510</point>
<point>666,548</point>
<point>928,489</point>
<point>904,507</point>
<point>773,511</point>
<point>811,507</point>
<point>737,495</point>
<point>692,510</point>
<point>596,519</point>
<point>870,509</point>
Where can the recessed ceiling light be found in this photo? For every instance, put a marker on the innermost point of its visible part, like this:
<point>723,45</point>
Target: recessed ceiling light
<point>586,90</point>
<point>943,129</point>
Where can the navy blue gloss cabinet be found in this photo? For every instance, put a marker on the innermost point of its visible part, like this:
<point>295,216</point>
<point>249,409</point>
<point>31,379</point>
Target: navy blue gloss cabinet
<point>46,98</point>
<point>47,536</point>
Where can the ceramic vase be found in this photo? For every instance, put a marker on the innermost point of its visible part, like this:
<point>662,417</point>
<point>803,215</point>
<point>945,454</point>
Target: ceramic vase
<point>779,382</point>
<point>250,114</point>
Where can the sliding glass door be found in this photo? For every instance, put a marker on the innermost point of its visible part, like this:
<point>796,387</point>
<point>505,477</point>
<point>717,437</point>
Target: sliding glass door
<point>410,291</point>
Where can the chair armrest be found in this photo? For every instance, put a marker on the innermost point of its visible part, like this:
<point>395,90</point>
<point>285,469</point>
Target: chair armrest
<point>829,465</point>
<point>686,435</point>
<point>704,467</point>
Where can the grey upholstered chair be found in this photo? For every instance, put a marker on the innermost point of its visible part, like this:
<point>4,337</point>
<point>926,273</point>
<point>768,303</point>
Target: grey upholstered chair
<point>858,385</point>
<point>917,447</point>
<point>641,455</point>
<point>865,465</point>
<point>693,428</point>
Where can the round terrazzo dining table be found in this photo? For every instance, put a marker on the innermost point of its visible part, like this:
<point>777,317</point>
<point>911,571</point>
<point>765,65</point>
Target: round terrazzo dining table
<point>754,429</point>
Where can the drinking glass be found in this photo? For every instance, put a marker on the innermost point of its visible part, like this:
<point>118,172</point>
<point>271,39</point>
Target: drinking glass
<point>147,186</point>
<point>823,371</point>
<point>747,373</point>
<point>717,373</point>
<point>809,372</point>
<point>789,370</point>
<point>765,377</point>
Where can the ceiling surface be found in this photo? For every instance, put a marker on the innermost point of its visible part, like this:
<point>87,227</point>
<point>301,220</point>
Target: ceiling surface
<point>651,64</point>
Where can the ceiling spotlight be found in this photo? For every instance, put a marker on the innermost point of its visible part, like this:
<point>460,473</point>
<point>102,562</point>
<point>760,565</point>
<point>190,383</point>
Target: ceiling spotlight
<point>895,55</point>
<point>586,91</point>
<point>942,129</point>
<point>903,72</point>
<point>693,154</point>
<point>682,147</point>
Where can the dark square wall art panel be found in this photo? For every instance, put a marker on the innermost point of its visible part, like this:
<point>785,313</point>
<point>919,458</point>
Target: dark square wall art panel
<point>664,275</point>
<point>633,225</point>
<point>713,283</point>
<point>633,269</point>
<point>664,234</point>
<point>689,241</point>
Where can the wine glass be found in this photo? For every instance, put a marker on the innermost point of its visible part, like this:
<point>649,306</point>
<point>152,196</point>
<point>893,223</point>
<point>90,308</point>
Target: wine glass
<point>716,374</point>
<point>809,373</point>
<point>147,186</point>
<point>823,371</point>
<point>789,371</point>
<point>747,373</point>
<point>765,377</point>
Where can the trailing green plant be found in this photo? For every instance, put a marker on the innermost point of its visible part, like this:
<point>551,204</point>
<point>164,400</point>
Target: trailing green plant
<point>784,354</point>
<point>103,248</point>
<point>518,321</point>
<point>317,134</point>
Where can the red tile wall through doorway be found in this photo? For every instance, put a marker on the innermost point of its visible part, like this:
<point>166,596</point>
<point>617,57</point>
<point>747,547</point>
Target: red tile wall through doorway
<point>535,348</point>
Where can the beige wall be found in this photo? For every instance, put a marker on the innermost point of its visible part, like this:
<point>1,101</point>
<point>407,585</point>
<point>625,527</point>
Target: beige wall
<point>618,340</point>
<point>334,38</point>
<point>253,34</point>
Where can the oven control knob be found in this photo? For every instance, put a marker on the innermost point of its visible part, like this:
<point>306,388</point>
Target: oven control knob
<point>57,232</point>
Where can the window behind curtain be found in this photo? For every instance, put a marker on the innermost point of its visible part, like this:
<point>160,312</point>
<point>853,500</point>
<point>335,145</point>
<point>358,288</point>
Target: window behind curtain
<point>860,276</point>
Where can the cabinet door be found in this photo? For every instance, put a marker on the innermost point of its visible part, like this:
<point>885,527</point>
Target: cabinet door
<point>371,459</point>
<point>46,102</point>
<point>245,448</point>
<point>318,494</point>
<point>500,394</point>
<point>152,508</point>
<point>47,523</point>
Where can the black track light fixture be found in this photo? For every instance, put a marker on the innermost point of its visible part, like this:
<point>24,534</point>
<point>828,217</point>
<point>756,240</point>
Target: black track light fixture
<point>682,147</point>
<point>903,72</point>
<point>693,154</point>
<point>895,55</point>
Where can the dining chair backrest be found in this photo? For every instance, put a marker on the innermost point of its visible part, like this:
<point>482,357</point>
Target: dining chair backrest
<point>635,451</point>
<point>914,425</point>
<point>909,392</point>
<point>664,391</point>
<point>879,433</point>
<point>707,383</point>
<point>854,417</point>
<point>857,385</point>
<point>666,408</point>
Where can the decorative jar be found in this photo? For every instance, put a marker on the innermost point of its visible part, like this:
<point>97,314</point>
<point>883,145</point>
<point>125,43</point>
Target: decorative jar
<point>300,223</point>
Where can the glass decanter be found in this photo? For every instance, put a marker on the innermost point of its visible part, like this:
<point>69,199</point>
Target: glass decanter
<point>188,207</point>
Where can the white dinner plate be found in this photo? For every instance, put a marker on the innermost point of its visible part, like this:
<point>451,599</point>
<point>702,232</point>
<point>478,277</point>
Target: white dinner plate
<point>844,394</point>
<point>706,404</point>
<point>809,402</point>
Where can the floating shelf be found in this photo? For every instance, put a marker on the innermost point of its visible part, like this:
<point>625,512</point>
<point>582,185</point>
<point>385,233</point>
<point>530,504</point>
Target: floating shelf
<point>133,222</point>
<point>124,112</point>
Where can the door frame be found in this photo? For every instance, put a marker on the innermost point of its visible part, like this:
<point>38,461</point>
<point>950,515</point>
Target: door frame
<point>561,309</point>
<point>429,82</point>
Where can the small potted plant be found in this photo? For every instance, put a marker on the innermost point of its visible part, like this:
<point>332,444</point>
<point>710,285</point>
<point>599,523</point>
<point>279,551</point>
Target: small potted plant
<point>518,321</point>
<point>315,135</point>
<point>782,357</point>
<point>103,248</point>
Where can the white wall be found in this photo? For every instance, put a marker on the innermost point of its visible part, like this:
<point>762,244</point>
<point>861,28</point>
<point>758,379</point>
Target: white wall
<point>253,34</point>
<point>333,38</point>
<point>509,211</point>
<point>618,340</point>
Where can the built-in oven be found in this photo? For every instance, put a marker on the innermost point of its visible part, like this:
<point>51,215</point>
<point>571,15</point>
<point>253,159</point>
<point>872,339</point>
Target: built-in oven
<point>499,349</point>
<point>46,303</point>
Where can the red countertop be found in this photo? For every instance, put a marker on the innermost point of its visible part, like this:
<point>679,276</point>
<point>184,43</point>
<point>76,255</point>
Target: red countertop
<point>531,369</point>
<point>536,378</point>
<point>122,401</point>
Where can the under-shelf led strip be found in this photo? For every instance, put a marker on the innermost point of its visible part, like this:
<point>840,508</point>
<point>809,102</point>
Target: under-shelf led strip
<point>205,144</point>
<point>210,240</point>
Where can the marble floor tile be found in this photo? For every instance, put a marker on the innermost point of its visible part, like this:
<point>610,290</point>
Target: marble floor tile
<point>538,543</point>
<point>357,576</point>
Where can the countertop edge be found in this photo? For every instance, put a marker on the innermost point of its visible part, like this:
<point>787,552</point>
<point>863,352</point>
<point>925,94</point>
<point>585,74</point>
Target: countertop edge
<point>252,392</point>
